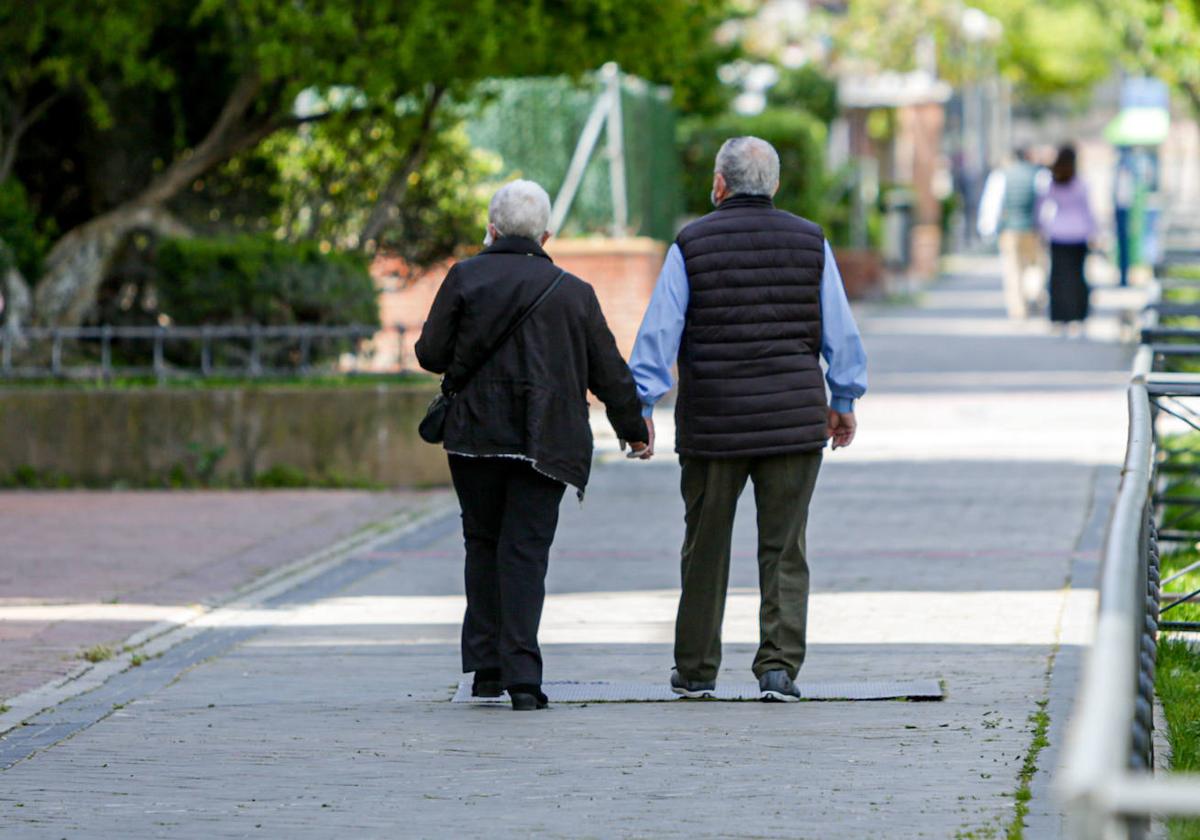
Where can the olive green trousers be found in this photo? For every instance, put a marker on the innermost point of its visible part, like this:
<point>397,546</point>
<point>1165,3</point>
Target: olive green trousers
<point>783,487</point>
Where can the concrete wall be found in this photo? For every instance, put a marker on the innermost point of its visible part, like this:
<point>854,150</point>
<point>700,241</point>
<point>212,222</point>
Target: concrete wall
<point>139,436</point>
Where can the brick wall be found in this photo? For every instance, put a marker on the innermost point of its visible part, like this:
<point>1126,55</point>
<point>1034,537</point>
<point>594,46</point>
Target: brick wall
<point>622,271</point>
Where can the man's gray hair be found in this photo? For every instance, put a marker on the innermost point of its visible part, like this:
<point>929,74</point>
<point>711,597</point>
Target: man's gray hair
<point>749,165</point>
<point>520,208</point>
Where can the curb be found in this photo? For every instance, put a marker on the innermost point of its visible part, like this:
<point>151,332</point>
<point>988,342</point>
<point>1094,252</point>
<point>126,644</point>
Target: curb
<point>161,637</point>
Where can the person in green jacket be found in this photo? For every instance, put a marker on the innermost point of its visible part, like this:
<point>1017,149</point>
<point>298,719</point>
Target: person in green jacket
<point>1009,207</point>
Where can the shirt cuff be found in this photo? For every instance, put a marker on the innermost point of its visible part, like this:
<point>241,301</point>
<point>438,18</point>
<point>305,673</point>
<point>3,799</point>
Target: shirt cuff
<point>842,405</point>
<point>647,409</point>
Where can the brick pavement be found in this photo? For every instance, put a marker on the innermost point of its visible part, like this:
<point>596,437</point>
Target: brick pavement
<point>112,563</point>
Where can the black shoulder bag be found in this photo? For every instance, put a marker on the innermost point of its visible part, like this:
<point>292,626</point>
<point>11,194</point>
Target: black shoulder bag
<point>433,425</point>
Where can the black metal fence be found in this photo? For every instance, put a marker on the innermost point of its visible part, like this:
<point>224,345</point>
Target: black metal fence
<point>1107,780</point>
<point>107,352</point>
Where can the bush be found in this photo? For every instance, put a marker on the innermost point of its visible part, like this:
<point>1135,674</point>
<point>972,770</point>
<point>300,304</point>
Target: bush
<point>19,231</point>
<point>796,135</point>
<point>253,280</point>
<point>808,89</point>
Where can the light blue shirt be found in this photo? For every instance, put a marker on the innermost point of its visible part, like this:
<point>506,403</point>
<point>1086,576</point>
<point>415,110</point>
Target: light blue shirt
<point>657,344</point>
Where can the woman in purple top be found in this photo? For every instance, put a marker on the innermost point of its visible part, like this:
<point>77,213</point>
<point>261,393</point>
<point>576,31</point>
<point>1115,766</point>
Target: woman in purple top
<point>1067,224</point>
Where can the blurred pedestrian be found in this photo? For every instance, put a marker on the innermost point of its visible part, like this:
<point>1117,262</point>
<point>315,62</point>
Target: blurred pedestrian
<point>520,343</point>
<point>1009,207</point>
<point>1124,193</point>
<point>1067,224</point>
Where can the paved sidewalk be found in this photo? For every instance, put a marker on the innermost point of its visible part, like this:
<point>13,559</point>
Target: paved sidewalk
<point>85,568</point>
<point>942,545</point>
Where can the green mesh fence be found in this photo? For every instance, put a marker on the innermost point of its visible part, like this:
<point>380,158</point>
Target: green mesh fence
<point>534,125</point>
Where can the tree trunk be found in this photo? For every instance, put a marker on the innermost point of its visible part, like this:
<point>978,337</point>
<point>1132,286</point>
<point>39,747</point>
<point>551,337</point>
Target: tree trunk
<point>393,194</point>
<point>78,262</point>
<point>16,294</point>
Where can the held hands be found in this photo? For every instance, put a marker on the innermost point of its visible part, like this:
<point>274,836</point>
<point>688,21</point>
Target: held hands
<point>642,451</point>
<point>841,428</point>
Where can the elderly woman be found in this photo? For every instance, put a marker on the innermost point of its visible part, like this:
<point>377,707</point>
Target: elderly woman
<point>517,433</point>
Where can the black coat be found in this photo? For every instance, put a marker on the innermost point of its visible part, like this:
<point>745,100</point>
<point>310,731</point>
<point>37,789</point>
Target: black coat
<point>530,399</point>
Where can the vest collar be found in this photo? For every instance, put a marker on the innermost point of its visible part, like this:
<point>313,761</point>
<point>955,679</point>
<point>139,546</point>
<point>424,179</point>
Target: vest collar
<point>746,200</point>
<point>516,245</point>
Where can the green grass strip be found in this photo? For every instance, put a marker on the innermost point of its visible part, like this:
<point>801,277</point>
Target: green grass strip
<point>1177,681</point>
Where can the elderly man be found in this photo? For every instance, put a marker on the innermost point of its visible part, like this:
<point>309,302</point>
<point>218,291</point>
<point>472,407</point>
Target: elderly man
<point>748,298</point>
<point>517,431</point>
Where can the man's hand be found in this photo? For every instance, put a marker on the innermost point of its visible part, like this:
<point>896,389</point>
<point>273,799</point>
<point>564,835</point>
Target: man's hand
<point>648,452</point>
<point>841,428</point>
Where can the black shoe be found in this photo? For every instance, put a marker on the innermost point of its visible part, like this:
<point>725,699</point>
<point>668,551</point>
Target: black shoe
<point>527,698</point>
<point>692,689</point>
<point>487,683</point>
<point>777,687</point>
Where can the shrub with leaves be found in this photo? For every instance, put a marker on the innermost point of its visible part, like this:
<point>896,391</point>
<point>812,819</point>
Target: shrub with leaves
<point>257,280</point>
<point>26,242</point>
<point>799,138</point>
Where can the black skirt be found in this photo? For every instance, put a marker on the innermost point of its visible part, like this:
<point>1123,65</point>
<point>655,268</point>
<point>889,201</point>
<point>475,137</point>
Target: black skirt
<point>1068,287</point>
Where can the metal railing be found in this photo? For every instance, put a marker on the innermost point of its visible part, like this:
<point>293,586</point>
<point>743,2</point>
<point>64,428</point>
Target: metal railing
<point>1107,781</point>
<point>41,352</point>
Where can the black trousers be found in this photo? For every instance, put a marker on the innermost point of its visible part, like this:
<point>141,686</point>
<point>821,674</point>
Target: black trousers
<point>1068,286</point>
<point>510,514</point>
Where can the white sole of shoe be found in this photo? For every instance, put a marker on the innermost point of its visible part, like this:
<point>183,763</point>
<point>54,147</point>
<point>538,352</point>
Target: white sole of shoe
<point>703,694</point>
<point>778,697</point>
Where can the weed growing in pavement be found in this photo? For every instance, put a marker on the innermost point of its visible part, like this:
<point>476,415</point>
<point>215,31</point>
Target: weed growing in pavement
<point>1041,724</point>
<point>98,653</point>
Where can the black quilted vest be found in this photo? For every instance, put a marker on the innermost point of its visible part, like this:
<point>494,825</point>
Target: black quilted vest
<point>750,382</point>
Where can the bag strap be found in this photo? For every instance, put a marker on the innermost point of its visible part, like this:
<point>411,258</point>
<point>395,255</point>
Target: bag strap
<point>474,369</point>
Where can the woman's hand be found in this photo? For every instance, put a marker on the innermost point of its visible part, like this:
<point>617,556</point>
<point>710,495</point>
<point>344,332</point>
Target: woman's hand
<point>639,450</point>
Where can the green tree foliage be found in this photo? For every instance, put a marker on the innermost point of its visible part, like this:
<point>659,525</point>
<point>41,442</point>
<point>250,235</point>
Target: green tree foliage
<point>798,136</point>
<point>808,89</point>
<point>173,90</point>
<point>25,239</point>
<point>323,182</point>
<point>1160,39</point>
<point>1067,46</point>
<point>1046,47</point>
<point>48,50</point>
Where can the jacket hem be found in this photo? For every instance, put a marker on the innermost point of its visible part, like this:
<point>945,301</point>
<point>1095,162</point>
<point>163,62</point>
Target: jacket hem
<point>519,457</point>
<point>788,449</point>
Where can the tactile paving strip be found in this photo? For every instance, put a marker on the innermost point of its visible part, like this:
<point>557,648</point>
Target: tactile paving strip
<point>631,692</point>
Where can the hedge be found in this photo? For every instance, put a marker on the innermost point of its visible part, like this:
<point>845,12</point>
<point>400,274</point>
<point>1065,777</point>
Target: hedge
<point>256,280</point>
<point>796,135</point>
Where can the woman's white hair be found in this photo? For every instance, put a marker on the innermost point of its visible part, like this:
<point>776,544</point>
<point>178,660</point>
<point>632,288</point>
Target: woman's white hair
<point>749,165</point>
<point>520,208</point>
